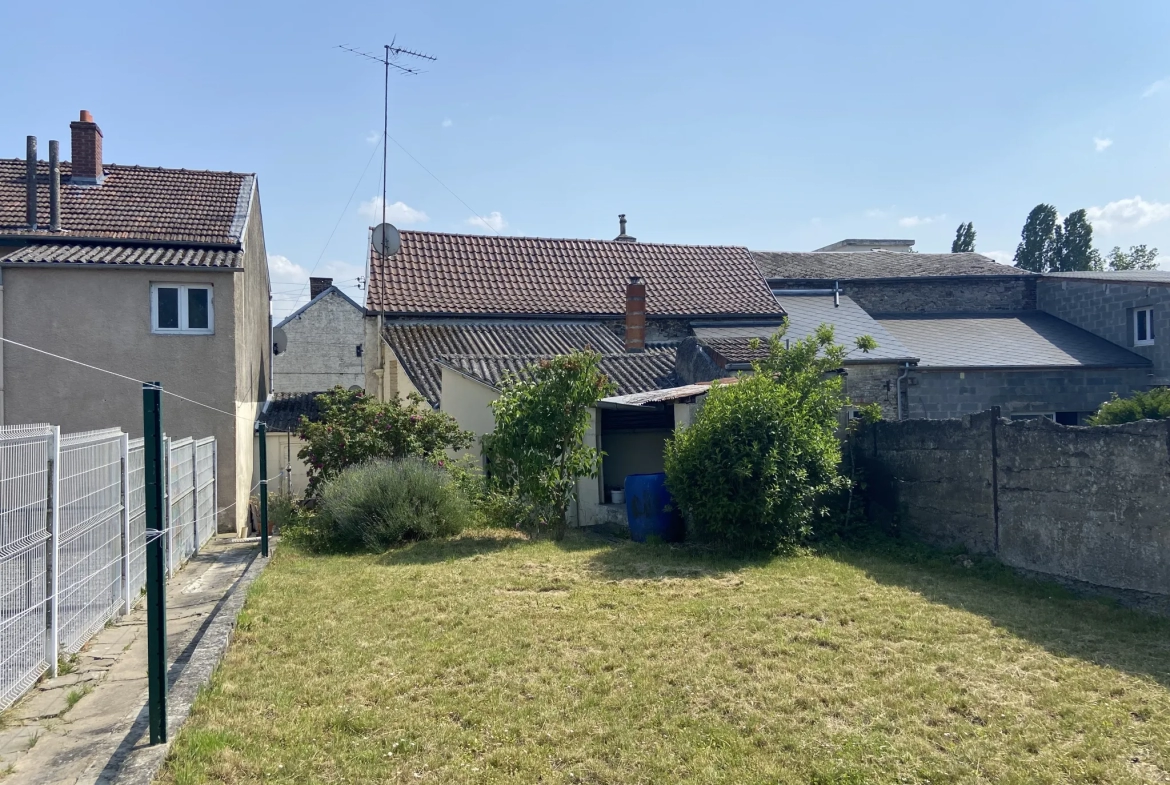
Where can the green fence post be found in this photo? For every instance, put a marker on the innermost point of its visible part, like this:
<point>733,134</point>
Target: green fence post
<point>156,567</point>
<point>263,431</point>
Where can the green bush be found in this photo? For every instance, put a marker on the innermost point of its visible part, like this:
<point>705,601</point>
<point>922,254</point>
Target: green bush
<point>353,429</point>
<point>753,470</point>
<point>381,504</point>
<point>1149,405</point>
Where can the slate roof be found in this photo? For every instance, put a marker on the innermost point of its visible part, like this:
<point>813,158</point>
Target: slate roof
<point>124,256</point>
<point>1026,340</point>
<point>843,265</point>
<point>285,410</point>
<point>652,369</point>
<point>133,203</point>
<point>437,273</point>
<point>418,344</point>
<point>1158,277</point>
<point>805,314</point>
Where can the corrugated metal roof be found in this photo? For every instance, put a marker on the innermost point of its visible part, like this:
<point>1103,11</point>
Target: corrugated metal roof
<point>652,369</point>
<point>123,256</point>
<point>662,396</point>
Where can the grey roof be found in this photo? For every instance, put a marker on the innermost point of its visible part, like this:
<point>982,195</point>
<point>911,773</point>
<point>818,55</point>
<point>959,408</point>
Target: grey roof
<point>320,296</point>
<point>1026,340</point>
<point>642,372</point>
<point>805,314</point>
<point>418,343</point>
<point>843,265</point>
<point>1159,277</point>
<point>283,413</point>
<point>123,256</point>
<point>866,245</point>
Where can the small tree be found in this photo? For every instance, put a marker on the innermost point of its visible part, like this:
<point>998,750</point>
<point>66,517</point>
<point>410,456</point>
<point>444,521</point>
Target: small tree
<point>1148,405</point>
<point>964,241</point>
<point>1040,240</point>
<point>354,428</point>
<point>752,469</point>
<point>1139,257</point>
<point>536,450</point>
<point>1076,244</point>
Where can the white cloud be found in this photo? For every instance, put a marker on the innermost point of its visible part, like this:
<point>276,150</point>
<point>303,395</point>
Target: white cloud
<point>1156,88</point>
<point>1003,257</point>
<point>397,213</point>
<point>1102,144</point>
<point>1132,213</point>
<point>447,123</point>
<point>913,220</point>
<point>290,282</point>
<point>373,137</point>
<point>875,212</point>
<point>494,222</point>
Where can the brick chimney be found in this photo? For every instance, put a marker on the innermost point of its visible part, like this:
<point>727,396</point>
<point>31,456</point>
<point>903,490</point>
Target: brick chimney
<point>87,151</point>
<point>635,315</point>
<point>318,285</point>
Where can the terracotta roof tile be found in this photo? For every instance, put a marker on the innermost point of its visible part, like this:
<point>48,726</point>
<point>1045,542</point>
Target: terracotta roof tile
<point>132,203</point>
<point>438,273</point>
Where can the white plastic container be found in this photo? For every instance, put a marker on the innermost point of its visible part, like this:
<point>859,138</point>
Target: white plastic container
<point>617,497</point>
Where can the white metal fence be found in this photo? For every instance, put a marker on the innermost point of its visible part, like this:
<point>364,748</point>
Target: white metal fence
<point>73,536</point>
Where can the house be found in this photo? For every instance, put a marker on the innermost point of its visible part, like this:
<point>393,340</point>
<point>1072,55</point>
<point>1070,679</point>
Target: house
<point>320,345</point>
<point>451,314</point>
<point>151,273</point>
<point>281,415</point>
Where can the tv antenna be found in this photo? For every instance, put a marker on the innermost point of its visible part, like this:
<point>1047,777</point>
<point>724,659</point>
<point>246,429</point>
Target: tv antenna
<point>388,60</point>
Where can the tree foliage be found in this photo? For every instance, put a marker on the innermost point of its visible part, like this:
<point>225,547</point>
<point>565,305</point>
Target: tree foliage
<point>1149,405</point>
<point>536,450</point>
<point>1039,246</point>
<point>751,471</point>
<point>1076,244</point>
<point>354,428</point>
<point>964,241</point>
<point>1139,257</point>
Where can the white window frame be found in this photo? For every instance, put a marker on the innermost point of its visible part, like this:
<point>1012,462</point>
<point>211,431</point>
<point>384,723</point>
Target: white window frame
<point>183,289</point>
<point>1149,313</point>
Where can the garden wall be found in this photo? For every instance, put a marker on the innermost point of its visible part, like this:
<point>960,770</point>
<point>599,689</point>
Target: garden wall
<point>1086,503</point>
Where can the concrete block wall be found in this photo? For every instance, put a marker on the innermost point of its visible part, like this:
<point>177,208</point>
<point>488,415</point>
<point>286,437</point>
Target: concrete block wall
<point>942,394</point>
<point>972,294</point>
<point>1106,309</point>
<point>874,383</point>
<point>1087,504</point>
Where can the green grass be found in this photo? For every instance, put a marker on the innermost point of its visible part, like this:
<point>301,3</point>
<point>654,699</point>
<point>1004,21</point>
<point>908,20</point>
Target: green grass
<point>75,695</point>
<point>492,659</point>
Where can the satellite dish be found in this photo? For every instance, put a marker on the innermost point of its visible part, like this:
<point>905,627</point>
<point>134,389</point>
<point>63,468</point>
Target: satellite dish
<point>279,340</point>
<point>385,239</point>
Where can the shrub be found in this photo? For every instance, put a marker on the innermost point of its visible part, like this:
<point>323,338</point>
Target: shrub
<point>378,505</point>
<point>751,471</point>
<point>1149,405</point>
<point>536,452</point>
<point>354,428</point>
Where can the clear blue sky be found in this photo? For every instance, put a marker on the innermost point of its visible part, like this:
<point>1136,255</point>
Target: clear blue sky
<point>779,126</point>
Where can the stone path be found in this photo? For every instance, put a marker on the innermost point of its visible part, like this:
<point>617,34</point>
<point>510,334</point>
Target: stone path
<point>89,725</point>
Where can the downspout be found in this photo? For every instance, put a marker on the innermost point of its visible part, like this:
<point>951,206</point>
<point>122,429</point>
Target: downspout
<point>904,374</point>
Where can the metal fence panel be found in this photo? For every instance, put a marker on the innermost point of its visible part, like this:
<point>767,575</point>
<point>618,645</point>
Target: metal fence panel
<point>136,499</point>
<point>24,551</point>
<point>89,548</point>
<point>181,500</point>
<point>205,502</point>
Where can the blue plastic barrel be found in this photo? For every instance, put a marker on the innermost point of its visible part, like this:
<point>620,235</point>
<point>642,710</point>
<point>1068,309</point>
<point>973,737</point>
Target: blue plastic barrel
<point>650,510</point>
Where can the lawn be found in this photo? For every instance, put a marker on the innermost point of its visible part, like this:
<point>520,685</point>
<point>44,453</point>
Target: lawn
<point>494,659</point>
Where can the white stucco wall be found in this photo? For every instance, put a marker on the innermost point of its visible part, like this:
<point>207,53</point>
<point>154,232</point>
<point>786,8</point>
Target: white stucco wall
<point>322,347</point>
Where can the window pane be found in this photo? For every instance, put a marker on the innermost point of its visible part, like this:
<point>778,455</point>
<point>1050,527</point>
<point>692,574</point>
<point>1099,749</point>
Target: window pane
<point>197,309</point>
<point>1141,326</point>
<point>168,308</point>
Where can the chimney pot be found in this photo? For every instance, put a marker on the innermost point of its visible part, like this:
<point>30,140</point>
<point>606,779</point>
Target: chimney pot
<point>635,315</point>
<point>87,151</point>
<point>30,182</point>
<point>54,185</point>
<point>318,285</point>
<point>623,237</point>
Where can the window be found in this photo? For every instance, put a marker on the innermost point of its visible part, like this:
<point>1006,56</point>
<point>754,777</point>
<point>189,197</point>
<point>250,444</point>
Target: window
<point>181,309</point>
<point>1034,416</point>
<point>1143,326</point>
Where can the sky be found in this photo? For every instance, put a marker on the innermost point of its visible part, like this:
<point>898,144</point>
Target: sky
<point>777,126</point>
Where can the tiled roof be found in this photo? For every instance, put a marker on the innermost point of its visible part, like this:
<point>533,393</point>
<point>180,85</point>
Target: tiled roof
<point>834,265</point>
<point>285,410</point>
<point>652,369</point>
<point>1158,277</point>
<point>1032,339</point>
<point>418,344</point>
<point>437,273</point>
<point>133,203</point>
<point>805,314</point>
<point>124,256</point>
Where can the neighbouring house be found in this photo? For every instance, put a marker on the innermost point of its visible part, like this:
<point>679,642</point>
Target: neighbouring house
<point>856,246</point>
<point>452,313</point>
<point>281,416</point>
<point>155,274</point>
<point>322,343</point>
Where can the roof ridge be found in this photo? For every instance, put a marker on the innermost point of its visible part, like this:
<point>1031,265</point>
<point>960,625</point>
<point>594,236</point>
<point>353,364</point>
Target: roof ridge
<point>619,243</point>
<point>105,164</point>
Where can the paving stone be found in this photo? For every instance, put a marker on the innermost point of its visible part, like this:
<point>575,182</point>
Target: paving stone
<point>42,704</point>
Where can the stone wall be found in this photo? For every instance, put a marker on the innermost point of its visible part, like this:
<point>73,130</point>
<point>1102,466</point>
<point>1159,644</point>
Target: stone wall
<point>972,294</point>
<point>941,394</point>
<point>1087,504</point>
<point>874,383</point>
<point>322,350</point>
<point>1106,309</point>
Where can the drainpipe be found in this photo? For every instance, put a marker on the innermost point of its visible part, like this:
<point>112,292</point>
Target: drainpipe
<point>904,374</point>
